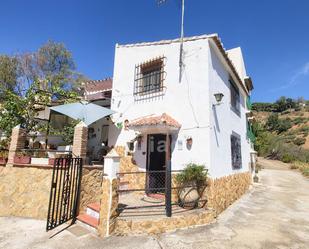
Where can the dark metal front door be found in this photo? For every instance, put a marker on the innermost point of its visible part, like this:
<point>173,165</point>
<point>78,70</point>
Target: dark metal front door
<point>65,191</point>
<point>156,163</point>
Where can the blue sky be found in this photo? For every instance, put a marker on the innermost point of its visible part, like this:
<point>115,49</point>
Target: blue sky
<point>273,34</point>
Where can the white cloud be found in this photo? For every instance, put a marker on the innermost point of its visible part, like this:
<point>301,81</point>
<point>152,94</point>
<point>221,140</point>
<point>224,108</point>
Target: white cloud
<point>303,71</point>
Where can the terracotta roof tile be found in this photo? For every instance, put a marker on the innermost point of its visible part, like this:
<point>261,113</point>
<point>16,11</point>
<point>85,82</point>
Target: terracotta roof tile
<point>99,85</point>
<point>163,119</point>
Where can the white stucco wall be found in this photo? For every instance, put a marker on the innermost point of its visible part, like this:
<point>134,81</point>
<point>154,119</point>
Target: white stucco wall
<point>189,102</point>
<point>236,57</point>
<point>224,120</point>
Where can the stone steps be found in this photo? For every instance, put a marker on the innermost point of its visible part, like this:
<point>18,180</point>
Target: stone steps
<point>90,219</point>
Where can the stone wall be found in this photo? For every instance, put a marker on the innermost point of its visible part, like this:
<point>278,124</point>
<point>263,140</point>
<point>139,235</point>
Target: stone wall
<point>109,205</point>
<point>222,192</point>
<point>161,225</point>
<point>24,191</point>
<point>127,164</point>
<point>91,187</point>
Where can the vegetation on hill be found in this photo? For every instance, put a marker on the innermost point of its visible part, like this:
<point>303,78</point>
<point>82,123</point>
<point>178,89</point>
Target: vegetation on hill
<point>282,131</point>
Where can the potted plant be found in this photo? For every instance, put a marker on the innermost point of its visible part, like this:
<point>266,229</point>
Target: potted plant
<point>22,157</point>
<point>192,181</point>
<point>3,157</point>
<point>3,151</point>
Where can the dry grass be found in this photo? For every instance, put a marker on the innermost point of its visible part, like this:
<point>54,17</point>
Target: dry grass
<point>302,167</point>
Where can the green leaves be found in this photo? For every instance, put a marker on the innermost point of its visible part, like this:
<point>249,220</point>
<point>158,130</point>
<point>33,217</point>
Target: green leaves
<point>24,110</point>
<point>192,173</point>
<point>8,74</point>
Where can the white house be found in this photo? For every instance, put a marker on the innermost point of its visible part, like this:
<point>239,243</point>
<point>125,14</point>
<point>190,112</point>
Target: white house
<point>153,98</point>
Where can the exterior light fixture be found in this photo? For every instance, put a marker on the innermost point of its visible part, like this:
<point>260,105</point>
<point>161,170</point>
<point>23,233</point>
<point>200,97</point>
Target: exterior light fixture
<point>219,97</point>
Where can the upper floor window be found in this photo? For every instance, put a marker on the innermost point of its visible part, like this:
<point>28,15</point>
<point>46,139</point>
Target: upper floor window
<point>235,97</point>
<point>236,151</point>
<point>149,77</point>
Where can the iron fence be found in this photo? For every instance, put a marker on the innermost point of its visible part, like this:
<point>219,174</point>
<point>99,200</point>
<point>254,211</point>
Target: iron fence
<point>64,192</point>
<point>157,185</point>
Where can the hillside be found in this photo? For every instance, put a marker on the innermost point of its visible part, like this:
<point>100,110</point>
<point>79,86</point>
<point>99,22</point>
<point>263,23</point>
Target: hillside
<point>298,133</point>
<point>281,131</point>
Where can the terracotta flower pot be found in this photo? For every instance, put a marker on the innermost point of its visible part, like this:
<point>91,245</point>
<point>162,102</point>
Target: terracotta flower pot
<point>189,196</point>
<point>22,159</point>
<point>3,160</point>
<point>51,161</point>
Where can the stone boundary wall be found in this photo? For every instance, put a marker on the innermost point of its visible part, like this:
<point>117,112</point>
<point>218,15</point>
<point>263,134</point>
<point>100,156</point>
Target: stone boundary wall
<point>24,191</point>
<point>220,193</point>
<point>91,187</point>
<point>155,226</point>
<point>127,164</point>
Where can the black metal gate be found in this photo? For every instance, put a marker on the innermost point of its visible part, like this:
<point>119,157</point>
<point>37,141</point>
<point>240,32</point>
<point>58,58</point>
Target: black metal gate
<point>65,191</point>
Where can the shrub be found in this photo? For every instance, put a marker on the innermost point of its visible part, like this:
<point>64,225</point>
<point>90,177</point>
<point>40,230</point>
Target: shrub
<point>299,141</point>
<point>272,122</point>
<point>4,153</point>
<point>192,173</point>
<point>287,158</point>
<point>305,171</point>
<point>284,125</point>
<point>293,166</point>
<point>4,144</point>
<point>298,120</point>
<point>304,128</point>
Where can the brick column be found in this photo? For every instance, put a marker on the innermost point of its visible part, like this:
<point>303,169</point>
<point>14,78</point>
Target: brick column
<point>18,139</point>
<point>109,198</point>
<point>80,140</point>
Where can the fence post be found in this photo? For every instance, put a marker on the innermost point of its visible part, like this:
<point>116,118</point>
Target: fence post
<point>18,140</point>
<point>168,190</point>
<point>80,141</point>
<point>109,198</point>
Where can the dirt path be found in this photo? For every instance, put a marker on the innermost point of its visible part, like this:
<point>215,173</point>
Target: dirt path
<point>273,214</point>
<point>273,164</point>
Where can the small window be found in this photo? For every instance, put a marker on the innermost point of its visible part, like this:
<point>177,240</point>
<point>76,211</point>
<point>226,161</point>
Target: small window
<point>149,77</point>
<point>235,97</point>
<point>236,151</point>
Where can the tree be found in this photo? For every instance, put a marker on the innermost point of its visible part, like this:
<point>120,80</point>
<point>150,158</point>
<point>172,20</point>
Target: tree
<point>8,74</point>
<point>31,81</point>
<point>52,65</point>
<point>290,103</point>
<point>23,110</point>
<point>282,104</point>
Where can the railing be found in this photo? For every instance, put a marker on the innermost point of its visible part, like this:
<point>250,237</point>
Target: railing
<point>40,156</point>
<point>43,153</point>
<point>157,185</point>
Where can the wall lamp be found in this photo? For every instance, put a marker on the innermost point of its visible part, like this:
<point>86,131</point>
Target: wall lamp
<point>218,97</point>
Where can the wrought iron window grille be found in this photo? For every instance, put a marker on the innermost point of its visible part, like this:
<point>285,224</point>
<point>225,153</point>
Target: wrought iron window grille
<point>149,78</point>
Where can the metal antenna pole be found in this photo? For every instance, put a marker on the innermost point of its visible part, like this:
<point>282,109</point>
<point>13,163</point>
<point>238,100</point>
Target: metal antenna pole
<point>181,39</point>
<point>181,64</point>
